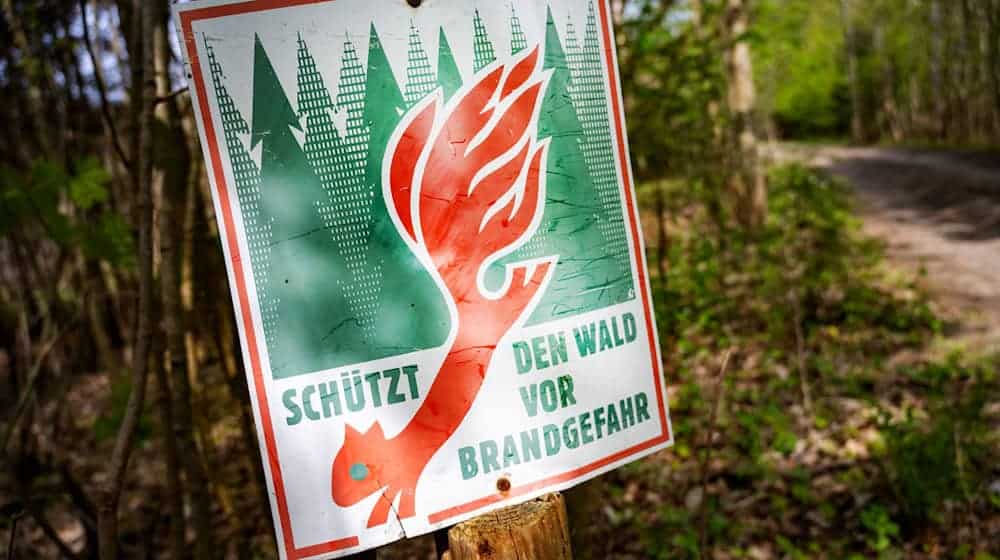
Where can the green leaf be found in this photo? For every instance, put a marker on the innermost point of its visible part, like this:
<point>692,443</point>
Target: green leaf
<point>110,239</point>
<point>87,187</point>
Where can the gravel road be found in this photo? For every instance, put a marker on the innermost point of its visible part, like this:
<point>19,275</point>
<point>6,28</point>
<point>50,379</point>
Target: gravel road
<point>939,211</point>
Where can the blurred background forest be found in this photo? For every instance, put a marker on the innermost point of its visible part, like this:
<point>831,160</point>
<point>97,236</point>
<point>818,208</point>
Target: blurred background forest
<point>820,187</point>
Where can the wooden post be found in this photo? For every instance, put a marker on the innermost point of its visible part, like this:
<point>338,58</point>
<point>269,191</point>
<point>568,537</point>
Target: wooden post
<point>536,530</point>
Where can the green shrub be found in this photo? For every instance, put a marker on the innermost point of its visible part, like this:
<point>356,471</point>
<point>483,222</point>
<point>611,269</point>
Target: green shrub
<point>882,530</point>
<point>808,268</point>
<point>945,453</point>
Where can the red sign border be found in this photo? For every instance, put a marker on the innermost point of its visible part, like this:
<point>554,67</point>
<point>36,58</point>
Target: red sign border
<point>187,19</point>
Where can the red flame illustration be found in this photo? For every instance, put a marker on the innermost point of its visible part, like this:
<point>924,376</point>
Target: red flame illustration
<point>466,184</point>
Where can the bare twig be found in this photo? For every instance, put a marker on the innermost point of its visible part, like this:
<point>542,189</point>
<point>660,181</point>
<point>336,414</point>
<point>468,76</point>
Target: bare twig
<point>25,398</point>
<point>13,531</point>
<point>102,91</point>
<point>706,455</point>
<point>49,531</point>
<point>800,351</point>
<point>171,95</point>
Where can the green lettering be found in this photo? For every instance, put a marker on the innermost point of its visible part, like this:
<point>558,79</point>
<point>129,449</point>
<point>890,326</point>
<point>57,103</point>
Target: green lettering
<point>467,462</point>
<point>557,346</point>
<point>529,396</point>
<point>599,421</point>
<point>641,402</point>
<point>628,415</point>
<point>522,357</point>
<point>585,340</point>
<point>628,321</point>
<point>613,424</point>
<point>531,446</point>
<point>570,434</point>
<point>510,454</point>
<point>488,451</point>
<point>354,395</point>
<point>288,397</point>
<point>328,394</point>
<point>614,331</point>
<point>411,377</point>
<point>566,397</point>
<point>538,350</point>
<point>394,396</point>
<point>550,401</point>
<point>372,379</point>
<point>550,433</point>
<point>605,334</point>
<point>585,428</point>
<point>306,405</point>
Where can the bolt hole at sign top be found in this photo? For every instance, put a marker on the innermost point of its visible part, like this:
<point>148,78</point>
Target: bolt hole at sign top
<point>414,3</point>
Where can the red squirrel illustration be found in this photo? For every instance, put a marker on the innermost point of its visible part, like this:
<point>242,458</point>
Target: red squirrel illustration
<point>466,181</point>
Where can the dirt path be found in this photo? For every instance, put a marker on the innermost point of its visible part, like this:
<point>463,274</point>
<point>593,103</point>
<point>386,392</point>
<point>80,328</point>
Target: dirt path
<point>938,212</point>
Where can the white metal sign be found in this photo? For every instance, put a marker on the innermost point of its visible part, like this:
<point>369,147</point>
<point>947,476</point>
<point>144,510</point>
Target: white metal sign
<point>432,242</point>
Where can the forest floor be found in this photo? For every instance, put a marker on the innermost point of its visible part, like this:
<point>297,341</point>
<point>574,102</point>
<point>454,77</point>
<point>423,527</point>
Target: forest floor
<point>905,394</point>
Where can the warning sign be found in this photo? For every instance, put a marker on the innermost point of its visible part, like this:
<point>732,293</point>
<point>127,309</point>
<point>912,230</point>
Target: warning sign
<point>431,236</point>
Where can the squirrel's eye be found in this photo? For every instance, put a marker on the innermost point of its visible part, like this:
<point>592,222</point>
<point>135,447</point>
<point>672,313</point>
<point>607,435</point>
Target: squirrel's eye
<point>359,471</point>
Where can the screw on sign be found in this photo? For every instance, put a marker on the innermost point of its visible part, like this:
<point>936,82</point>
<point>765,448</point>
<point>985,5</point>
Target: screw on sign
<point>431,237</point>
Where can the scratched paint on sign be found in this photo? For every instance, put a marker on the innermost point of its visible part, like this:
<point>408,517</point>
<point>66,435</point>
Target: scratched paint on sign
<point>429,225</point>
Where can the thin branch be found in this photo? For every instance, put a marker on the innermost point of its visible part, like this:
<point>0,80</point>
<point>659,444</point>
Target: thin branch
<point>25,398</point>
<point>706,456</point>
<point>50,532</point>
<point>13,531</point>
<point>800,351</point>
<point>171,95</point>
<point>102,91</point>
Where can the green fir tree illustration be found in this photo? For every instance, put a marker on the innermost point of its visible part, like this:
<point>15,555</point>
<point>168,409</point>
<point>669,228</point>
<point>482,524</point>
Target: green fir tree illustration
<point>449,78</point>
<point>419,76</point>
<point>573,52</point>
<point>347,212</point>
<point>352,153</point>
<point>589,92</point>
<point>518,42</point>
<point>412,312</point>
<point>314,326</point>
<point>336,283</point>
<point>587,276</point>
<point>247,178</point>
<point>483,51</point>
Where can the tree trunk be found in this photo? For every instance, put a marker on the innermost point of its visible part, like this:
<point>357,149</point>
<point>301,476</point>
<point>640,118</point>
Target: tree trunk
<point>993,57</point>
<point>937,70</point>
<point>175,491</point>
<point>746,181</point>
<point>173,163</point>
<point>38,114</point>
<point>889,120</point>
<point>857,124</point>
<point>111,487</point>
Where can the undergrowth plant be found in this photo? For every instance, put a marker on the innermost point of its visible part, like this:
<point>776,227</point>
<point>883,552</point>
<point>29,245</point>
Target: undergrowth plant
<point>814,317</point>
<point>944,451</point>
